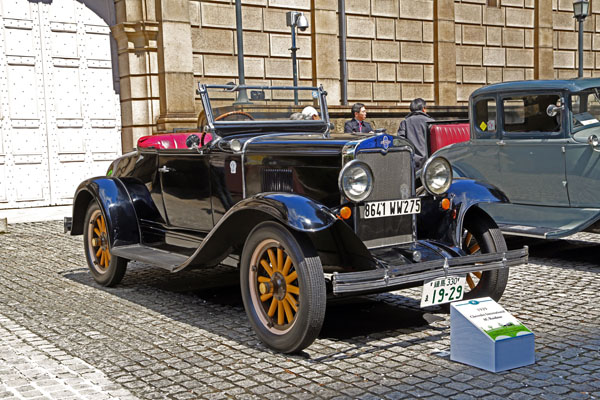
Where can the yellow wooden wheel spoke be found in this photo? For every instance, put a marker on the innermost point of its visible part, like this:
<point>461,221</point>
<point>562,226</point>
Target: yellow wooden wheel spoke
<point>102,259</point>
<point>470,281</point>
<point>265,265</point>
<point>107,256</point>
<point>279,260</point>
<point>288,311</point>
<point>477,274</point>
<point>474,249</point>
<point>272,259</point>
<point>97,232</point>
<point>291,277</point>
<point>266,296</point>
<point>291,301</point>
<point>103,224</point>
<point>273,307</point>
<point>468,238</point>
<point>293,289</point>
<point>263,279</point>
<point>287,266</point>
<point>98,252</point>
<point>280,313</point>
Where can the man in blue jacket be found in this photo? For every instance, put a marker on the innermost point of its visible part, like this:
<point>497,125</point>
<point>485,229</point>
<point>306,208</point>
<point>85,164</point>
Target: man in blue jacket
<point>358,123</point>
<point>414,128</point>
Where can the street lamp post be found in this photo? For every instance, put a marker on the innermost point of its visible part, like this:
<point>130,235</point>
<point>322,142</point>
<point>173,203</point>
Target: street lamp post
<point>580,11</point>
<point>295,19</point>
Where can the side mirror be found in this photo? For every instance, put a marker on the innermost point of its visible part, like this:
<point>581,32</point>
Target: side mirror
<point>552,110</point>
<point>192,142</point>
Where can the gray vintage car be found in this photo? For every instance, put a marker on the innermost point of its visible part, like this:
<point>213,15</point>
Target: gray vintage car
<point>537,142</point>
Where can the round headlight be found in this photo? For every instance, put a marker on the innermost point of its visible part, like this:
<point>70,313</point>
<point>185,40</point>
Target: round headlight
<point>356,181</point>
<point>437,176</point>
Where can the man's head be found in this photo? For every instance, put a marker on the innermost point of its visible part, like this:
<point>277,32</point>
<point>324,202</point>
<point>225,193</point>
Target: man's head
<point>418,104</point>
<point>310,113</point>
<point>359,111</point>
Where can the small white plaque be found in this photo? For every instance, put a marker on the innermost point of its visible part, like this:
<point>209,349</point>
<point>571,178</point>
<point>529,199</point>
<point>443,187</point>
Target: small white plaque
<point>491,318</point>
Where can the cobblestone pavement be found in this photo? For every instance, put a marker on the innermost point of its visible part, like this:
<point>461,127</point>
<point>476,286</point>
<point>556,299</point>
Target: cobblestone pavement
<point>184,336</point>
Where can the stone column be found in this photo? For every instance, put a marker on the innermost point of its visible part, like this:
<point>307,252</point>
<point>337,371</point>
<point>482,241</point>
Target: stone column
<point>135,33</point>
<point>543,57</point>
<point>175,66</point>
<point>326,49</point>
<point>444,53</point>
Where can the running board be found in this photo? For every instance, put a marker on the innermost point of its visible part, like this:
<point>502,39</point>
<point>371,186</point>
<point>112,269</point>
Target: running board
<point>150,255</point>
<point>539,232</point>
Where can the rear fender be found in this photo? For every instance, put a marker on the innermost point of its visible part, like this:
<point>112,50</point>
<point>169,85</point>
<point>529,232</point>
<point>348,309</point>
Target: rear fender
<point>116,206</point>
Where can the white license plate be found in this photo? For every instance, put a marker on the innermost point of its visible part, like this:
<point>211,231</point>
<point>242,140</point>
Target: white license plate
<point>443,290</point>
<point>391,208</point>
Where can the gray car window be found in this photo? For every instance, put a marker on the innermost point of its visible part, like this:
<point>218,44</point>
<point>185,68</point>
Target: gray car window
<point>585,107</point>
<point>485,119</point>
<point>527,114</point>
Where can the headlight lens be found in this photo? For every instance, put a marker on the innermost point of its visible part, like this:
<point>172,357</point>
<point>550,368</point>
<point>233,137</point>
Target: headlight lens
<point>356,181</point>
<point>437,176</point>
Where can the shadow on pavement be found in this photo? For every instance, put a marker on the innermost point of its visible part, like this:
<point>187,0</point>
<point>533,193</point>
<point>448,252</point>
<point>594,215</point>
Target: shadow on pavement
<point>345,319</point>
<point>560,249</point>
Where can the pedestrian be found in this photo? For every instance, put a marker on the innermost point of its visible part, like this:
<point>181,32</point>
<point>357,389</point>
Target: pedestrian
<point>414,128</point>
<point>358,123</point>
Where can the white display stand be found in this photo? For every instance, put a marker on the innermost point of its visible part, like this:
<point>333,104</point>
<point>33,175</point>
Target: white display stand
<point>485,335</point>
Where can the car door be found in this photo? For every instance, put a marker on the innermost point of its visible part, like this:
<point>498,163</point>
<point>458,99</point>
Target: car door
<point>185,181</point>
<point>532,150</point>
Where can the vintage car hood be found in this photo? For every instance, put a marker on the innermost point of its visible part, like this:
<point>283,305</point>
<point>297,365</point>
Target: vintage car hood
<point>316,142</point>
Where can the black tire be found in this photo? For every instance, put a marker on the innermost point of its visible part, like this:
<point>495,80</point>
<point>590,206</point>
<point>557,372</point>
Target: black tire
<point>286,303</point>
<point>482,235</point>
<point>107,270</point>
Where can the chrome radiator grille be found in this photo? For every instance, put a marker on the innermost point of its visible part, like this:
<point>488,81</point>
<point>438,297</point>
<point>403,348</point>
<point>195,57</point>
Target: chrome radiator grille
<point>393,180</point>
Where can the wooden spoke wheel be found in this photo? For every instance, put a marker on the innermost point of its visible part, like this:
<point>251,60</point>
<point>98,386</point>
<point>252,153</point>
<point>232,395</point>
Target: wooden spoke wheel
<point>106,269</point>
<point>483,236</point>
<point>282,287</point>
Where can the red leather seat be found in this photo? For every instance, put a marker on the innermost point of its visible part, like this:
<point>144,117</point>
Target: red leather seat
<point>443,135</point>
<point>169,140</point>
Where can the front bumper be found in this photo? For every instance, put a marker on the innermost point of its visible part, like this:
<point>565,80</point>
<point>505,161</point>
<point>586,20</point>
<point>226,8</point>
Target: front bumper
<point>390,277</point>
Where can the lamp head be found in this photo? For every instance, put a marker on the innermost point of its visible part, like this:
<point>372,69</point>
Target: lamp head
<point>581,9</point>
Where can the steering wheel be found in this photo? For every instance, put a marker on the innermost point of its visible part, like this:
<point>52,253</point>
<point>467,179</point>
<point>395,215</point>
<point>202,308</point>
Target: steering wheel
<point>230,113</point>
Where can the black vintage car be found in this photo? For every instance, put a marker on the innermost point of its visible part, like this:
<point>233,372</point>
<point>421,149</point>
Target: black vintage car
<point>305,213</point>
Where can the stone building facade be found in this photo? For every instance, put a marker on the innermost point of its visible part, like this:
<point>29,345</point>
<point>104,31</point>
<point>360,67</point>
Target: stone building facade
<point>396,50</point>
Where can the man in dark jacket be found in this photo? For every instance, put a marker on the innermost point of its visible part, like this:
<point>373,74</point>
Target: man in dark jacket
<point>414,128</point>
<point>358,123</point>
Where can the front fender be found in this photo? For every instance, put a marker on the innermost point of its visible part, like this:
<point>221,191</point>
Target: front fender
<point>467,193</point>
<point>115,204</point>
<point>296,212</point>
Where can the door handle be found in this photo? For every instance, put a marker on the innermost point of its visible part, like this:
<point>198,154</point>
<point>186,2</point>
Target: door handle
<point>164,168</point>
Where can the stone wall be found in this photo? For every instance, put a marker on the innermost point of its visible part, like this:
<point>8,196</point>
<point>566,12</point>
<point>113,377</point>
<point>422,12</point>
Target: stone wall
<point>397,50</point>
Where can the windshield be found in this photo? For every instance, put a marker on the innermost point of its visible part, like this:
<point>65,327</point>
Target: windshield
<point>231,106</point>
<point>585,108</point>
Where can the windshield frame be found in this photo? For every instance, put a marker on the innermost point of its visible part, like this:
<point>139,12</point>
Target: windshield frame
<point>227,128</point>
